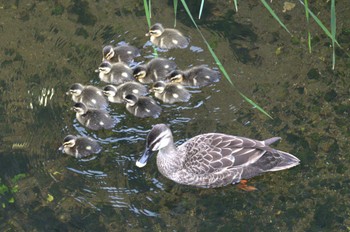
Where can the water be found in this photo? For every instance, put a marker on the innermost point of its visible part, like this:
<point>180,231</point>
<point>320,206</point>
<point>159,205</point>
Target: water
<point>47,46</point>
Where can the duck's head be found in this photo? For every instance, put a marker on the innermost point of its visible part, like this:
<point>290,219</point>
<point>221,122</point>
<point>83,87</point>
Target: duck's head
<point>105,67</point>
<point>156,30</point>
<point>69,141</point>
<point>140,72</point>
<point>130,99</point>
<point>159,137</point>
<point>108,52</point>
<point>109,90</point>
<point>158,87</point>
<point>75,89</point>
<point>176,76</point>
<point>80,108</point>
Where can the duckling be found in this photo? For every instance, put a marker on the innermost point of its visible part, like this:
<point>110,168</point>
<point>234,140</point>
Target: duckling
<point>116,73</point>
<point>155,70</point>
<point>79,147</point>
<point>90,95</point>
<point>170,92</point>
<point>197,76</point>
<point>167,38</point>
<point>122,53</point>
<point>93,119</point>
<point>116,94</point>
<point>142,106</point>
<point>214,159</point>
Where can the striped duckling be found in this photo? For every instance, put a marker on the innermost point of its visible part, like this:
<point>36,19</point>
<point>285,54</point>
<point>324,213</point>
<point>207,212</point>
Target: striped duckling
<point>94,119</point>
<point>155,70</point>
<point>197,76</point>
<point>79,146</point>
<point>116,73</point>
<point>90,95</point>
<point>122,53</point>
<point>116,94</point>
<point>170,92</point>
<point>142,106</point>
<point>167,38</point>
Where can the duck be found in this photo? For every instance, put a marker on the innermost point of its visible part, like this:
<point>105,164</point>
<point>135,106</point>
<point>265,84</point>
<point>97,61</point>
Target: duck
<point>170,92</point>
<point>90,95</point>
<point>116,73</point>
<point>94,119</point>
<point>142,106</point>
<point>155,70</point>
<point>116,94</point>
<point>214,159</point>
<point>197,76</point>
<point>79,146</point>
<point>166,38</point>
<point>123,53</point>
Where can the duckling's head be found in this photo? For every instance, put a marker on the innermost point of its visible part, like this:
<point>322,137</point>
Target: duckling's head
<point>176,76</point>
<point>76,89</point>
<point>159,137</point>
<point>156,30</point>
<point>158,87</point>
<point>80,108</point>
<point>69,141</point>
<point>130,99</point>
<point>110,90</point>
<point>140,72</point>
<point>105,67</point>
<point>108,52</point>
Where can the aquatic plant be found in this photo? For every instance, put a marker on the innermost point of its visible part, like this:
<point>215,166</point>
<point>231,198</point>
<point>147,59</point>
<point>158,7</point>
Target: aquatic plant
<point>219,64</point>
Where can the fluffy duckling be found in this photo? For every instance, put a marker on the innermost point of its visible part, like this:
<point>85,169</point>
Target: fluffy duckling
<point>116,73</point>
<point>93,119</point>
<point>122,53</point>
<point>90,95</point>
<point>167,38</point>
<point>170,92</point>
<point>142,107</point>
<point>197,76</point>
<point>79,147</point>
<point>155,70</point>
<point>116,94</point>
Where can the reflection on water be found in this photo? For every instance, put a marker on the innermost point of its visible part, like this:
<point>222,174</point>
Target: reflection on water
<point>48,45</point>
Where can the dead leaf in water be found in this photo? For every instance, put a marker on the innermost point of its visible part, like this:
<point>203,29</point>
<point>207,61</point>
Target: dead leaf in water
<point>288,6</point>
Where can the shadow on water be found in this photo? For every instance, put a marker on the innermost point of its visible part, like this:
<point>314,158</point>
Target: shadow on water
<point>48,45</point>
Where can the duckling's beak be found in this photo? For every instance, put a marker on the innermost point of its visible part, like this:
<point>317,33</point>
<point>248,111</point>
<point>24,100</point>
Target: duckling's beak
<point>144,158</point>
<point>147,34</point>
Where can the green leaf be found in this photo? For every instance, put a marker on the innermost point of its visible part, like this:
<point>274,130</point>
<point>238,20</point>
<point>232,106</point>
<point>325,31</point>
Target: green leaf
<point>274,15</point>
<point>333,30</point>
<point>201,9</point>
<point>175,10</point>
<point>11,200</point>
<point>49,197</point>
<point>221,67</point>
<point>147,12</point>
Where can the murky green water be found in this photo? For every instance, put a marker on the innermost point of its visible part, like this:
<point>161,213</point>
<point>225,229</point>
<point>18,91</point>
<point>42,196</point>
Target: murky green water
<point>48,45</point>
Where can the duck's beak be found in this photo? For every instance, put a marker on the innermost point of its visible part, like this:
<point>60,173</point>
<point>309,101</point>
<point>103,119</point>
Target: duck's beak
<point>144,158</point>
<point>147,34</point>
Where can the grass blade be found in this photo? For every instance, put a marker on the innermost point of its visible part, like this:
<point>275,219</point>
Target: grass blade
<point>148,17</point>
<point>320,24</point>
<point>274,15</point>
<point>306,5</point>
<point>235,2</point>
<point>175,11</point>
<point>221,67</point>
<point>333,30</point>
<point>201,9</point>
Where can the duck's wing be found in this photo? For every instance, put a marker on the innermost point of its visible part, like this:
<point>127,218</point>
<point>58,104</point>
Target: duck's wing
<point>212,153</point>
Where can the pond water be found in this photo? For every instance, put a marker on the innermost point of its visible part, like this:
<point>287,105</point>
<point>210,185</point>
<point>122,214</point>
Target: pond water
<point>48,45</point>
